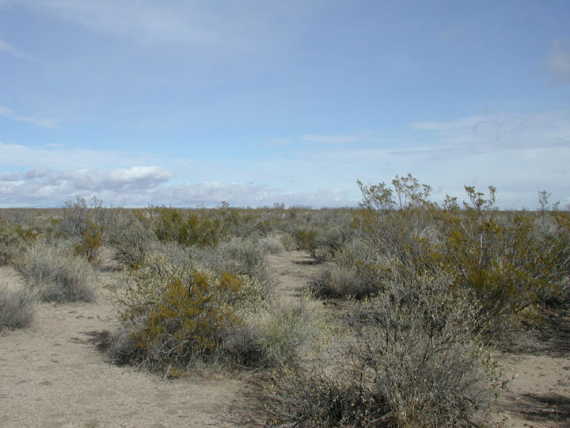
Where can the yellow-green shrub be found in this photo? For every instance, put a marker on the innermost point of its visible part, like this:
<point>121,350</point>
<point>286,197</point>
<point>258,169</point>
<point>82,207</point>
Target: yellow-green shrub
<point>508,260</point>
<point>13,240</point>
<point>91,242</point>
<point>177,314</point>
<point>306,239</point>
<point>190,229</point>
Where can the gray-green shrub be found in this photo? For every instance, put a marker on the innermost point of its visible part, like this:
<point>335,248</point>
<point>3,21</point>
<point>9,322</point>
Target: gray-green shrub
<point>131,239</point>
<point>54,274</point>
<point>16,309</point>
<point>415,361</point>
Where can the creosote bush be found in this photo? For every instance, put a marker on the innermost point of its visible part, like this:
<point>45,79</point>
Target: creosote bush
<point>511,263</point>
<point>182,315</point>
<point>186,229</point>
<point>90,243</point>
<point>54,274</point>
<point>16,309</point>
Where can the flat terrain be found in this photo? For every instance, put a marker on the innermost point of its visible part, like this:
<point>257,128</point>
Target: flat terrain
<point>52,375</point>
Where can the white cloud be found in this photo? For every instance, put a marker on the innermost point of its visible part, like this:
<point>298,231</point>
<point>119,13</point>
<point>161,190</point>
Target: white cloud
<point>58,157</point>
<point>141,186</point>
<point>505,131</point>
<point>559,62</point>
<point>41,122</point>
<point>11,50</point>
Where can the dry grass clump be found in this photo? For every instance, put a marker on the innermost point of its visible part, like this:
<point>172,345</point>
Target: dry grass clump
<point>415,361</point>
<point>54,274</point>
<point>343,282</point>
<point>288,241</point>
<point>16,309</point>
<point>359,271</point>
<point>271,244</point>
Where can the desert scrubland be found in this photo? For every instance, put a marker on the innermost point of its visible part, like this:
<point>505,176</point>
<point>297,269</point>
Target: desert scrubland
<point>402,312</point>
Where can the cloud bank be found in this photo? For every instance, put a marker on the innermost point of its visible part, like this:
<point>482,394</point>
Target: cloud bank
<point>143,186</point>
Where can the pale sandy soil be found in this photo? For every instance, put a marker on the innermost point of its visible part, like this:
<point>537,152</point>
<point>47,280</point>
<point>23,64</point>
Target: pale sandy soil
<point>51,375</point>
<point>539,394</point>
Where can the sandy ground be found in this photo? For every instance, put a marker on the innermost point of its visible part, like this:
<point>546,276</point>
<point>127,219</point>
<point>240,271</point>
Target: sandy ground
<point>51,375</point>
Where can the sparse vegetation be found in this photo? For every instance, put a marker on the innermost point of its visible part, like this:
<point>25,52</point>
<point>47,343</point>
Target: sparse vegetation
<point>419,292</point>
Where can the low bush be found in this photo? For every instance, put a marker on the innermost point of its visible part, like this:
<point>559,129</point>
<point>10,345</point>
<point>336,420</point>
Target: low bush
<point>344,282</point>
<point>16,309</point>
<point>238,256</point>
<point>13,240</point>
<point>288,241</point>
<point>415,360</point>
<point>77,216</point>
<point>359,271</point>
<point>131,239</point>
<point>306,239</point>
<point>54,274</point>
<point>180,316</point>
<point>187,229</point>
<point>90,242</point>
<point>271,245</point>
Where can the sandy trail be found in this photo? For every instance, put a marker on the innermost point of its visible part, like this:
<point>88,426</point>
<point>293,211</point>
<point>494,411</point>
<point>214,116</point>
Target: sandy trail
<point>292,271</point>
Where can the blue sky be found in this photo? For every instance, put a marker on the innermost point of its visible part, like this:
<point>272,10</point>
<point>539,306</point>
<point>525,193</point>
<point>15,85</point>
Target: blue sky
<point>254,102</point>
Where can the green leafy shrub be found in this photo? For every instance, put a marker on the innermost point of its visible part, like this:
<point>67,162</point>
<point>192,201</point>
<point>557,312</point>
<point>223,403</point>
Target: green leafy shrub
<point>54,274</point>
<point>16,309</point>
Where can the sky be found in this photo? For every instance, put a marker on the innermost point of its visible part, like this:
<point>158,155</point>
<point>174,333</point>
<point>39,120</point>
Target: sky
<point>256,102</point>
